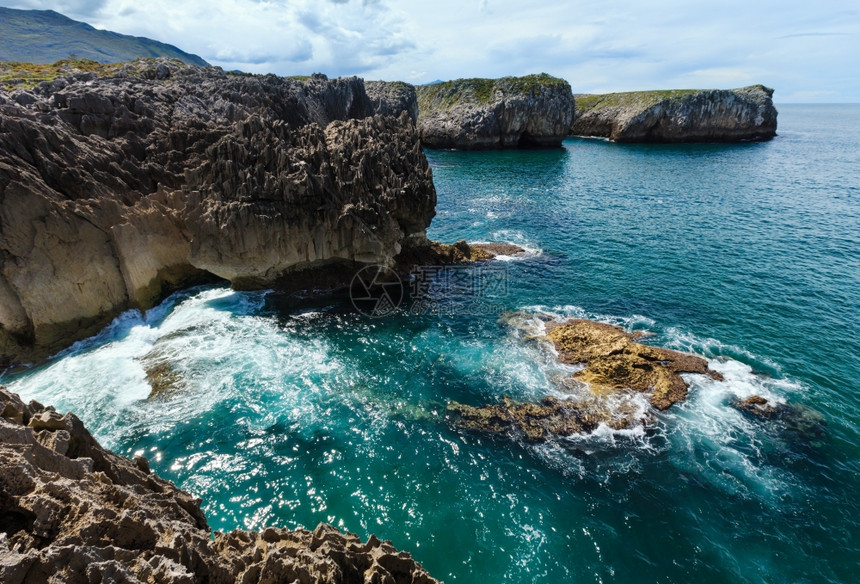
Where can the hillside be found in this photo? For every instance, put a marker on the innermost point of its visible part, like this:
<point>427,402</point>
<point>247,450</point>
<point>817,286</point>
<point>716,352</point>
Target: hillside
<point>45,36</point>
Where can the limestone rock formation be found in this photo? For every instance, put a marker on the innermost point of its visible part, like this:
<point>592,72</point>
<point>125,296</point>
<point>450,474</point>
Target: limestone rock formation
<point>73,512</point>
<point>678,115</point>
<point>538,421</point>
<point>511,112</point>
<point>389,98</point>
<point>614,361</point>
<point>614,364</point>
<point>428,252</point>
<point>116,189</point>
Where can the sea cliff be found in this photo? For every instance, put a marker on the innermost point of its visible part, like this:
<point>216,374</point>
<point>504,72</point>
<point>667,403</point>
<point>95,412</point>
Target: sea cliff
<point>678,115</point>
<point>511,112</point>
<point>118,187</point>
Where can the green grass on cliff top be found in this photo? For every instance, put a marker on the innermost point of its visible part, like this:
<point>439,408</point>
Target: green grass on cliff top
<point>15,75</point>
<point>588,101</point>
<point>446,94</point>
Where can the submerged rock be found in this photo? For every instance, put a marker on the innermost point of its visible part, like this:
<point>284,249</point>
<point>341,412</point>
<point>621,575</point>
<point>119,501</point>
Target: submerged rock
<point>115,190</point>
<point>795,419</point>
<point>511,112</point>
<point>539,421</point>
<point>71,511</point>
<point>678,115</point>
<point>426,252</point>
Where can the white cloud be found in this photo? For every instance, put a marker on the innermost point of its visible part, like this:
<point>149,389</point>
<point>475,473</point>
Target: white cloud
<point>800,48</point>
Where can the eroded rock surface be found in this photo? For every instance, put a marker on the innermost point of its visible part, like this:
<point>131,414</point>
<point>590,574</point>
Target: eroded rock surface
<point>390,98</point>
<point>71,511</point>
<point>115,190</point>
<point>615,361</point>
<point>614,366</point>
<point>538,421</point>
<point>678,115</point>
<point>428,252</point>
<point>511,112</point>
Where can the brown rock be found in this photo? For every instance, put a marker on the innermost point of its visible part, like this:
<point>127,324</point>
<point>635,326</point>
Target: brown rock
<point>81,514</point>
<point>426,252</point>
<point>537,421</point>
<point>615,362</point>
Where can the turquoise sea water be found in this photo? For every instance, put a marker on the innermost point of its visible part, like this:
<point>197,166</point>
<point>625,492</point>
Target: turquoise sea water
<point>291,413</point>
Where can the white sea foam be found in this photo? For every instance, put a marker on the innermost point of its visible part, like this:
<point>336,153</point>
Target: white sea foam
<point>216,343</point>
<point>705,434</point>
<point>531,248</point>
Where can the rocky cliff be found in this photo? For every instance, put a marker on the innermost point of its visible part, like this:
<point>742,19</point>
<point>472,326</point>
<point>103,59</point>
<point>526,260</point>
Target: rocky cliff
<point>71,511</point>
<point>115,189</point>
<point>392,97</point>
<point>473,114</point>
<point>678,115</point>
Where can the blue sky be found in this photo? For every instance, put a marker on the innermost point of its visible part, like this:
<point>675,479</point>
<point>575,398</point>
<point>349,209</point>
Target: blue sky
<point>807,51</point>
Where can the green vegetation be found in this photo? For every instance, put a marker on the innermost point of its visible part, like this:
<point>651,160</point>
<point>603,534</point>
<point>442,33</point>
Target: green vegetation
<point>45,36</point>
<point>393,85</point>
<point>445,95</point>
<point>637,99</point>
<point>630,98</point>
<point>15,75</point>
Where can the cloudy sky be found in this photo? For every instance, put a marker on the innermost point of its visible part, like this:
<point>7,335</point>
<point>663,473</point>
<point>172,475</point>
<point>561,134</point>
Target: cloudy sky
<point>806,50</point>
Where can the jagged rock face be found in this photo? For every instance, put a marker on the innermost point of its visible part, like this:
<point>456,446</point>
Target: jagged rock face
<point>71,511</point>
<point>475,114</point>
<point>117,189</point>
<point>392,97</point>
<point>678,116</point>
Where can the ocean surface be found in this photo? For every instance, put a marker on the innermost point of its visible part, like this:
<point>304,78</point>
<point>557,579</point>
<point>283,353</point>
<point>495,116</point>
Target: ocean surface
<point>284,412</point>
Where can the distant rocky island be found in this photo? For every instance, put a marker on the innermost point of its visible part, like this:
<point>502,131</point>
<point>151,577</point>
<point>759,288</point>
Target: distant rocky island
<point>511,112</point>
<point>45,36</point>
<point>686,115</point>
<point>541,111</point>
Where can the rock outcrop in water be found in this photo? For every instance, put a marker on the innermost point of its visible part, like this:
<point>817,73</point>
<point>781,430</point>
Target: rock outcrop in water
<point>71,511</point>
<point>614,363</point>
<point>115,190</point>
<point>678,115</point>
<point>511,112</point>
